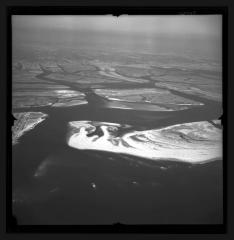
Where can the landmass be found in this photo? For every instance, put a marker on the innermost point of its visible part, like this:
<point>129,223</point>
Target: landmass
<point>151,99</point>
<point>195,142</point>
<point>25,122</point>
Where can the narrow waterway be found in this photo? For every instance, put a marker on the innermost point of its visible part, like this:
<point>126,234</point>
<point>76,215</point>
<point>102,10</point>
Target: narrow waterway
<point>127,189</point>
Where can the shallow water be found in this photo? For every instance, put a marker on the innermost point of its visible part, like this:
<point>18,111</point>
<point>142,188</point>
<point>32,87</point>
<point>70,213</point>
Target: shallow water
<point>91,187</point>
<point>56,184</point>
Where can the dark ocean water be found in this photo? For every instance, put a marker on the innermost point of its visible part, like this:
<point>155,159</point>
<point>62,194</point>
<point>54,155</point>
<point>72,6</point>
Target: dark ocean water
<point>92,187</point>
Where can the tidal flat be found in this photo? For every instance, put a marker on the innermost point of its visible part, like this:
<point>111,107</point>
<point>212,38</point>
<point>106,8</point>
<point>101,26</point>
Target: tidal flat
<point>195,142</point>
<point>25,121</point>
<point>107,136</point>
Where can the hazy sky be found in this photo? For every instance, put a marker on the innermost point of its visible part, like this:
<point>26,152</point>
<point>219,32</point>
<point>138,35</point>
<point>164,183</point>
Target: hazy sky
<point>168,24</point>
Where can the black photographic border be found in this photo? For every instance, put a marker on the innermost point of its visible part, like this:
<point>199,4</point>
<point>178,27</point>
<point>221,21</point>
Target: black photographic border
<point>118,228</point>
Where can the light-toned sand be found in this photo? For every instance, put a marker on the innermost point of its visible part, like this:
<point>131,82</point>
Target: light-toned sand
<point>195,142</point>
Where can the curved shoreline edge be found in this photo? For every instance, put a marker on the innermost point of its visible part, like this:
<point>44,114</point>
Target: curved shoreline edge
<point>196,142</point>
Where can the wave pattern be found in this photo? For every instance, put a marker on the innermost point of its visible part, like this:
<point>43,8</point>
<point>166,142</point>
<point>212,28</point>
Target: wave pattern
<point>194,142</point>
